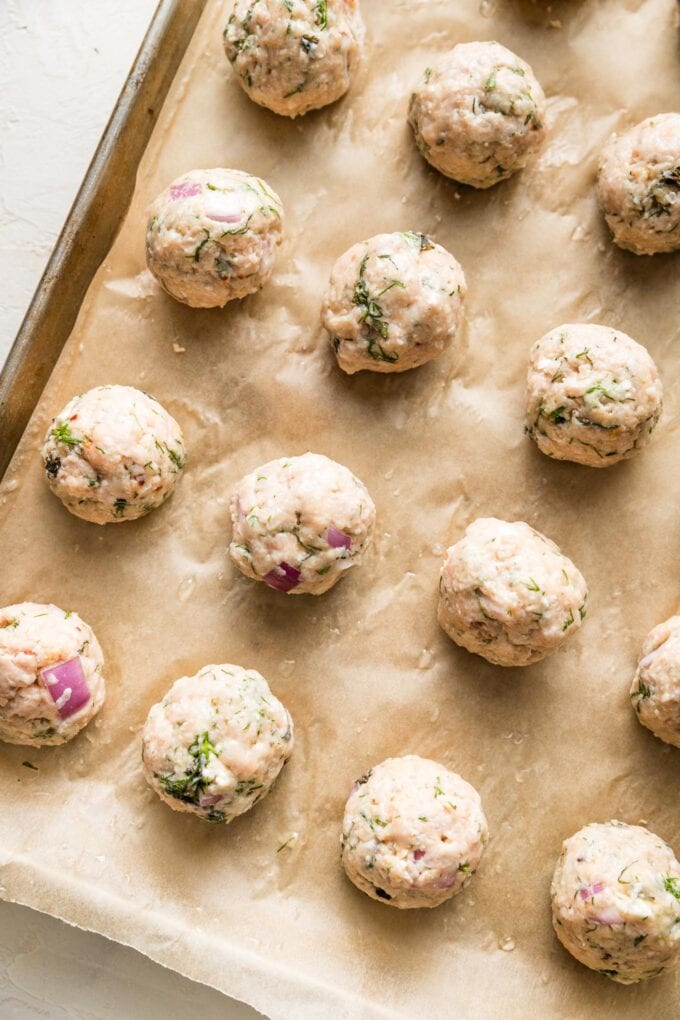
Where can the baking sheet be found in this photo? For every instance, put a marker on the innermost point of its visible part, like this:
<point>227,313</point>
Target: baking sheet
<point>365,670</point>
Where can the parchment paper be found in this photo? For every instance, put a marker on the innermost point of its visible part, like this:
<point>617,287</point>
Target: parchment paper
<point>365,670</point>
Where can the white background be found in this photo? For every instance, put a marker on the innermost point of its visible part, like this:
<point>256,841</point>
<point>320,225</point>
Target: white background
<point>62,65</point>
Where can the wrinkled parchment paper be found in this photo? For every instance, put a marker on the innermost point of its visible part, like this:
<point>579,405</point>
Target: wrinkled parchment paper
<point>365,670</point>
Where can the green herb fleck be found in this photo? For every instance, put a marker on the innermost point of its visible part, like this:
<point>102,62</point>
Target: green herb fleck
<point>63,434</point>
<point>672,885</point>
<point>643,692</point>
<point>569,620</point>
<point>533,586</point>
<point>176,459</point>
<point>372,314</point>
<point>490,82</point>
<point>190,786</point>
<point>321,12</point>
<point>119,507</point>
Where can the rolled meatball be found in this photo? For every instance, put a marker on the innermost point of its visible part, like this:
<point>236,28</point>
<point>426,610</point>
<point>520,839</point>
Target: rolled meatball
<point>299,523</point>
<point>213,236</point>
<point>655,691</point>
<point>113,454</point>
<point>593,395</point>
<point>51,680</point>
<point>216,742</point>
<point>507,593</point>
<point>293,56</point>
<point>393,303</point>
<point>638,186</point>
<point>413,833</point>
<point>478,114</point>
<point>616,901</point>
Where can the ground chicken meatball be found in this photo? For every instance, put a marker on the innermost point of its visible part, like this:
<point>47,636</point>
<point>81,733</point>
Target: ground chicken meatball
<point>51,681</point>
<point>638,186</point>
<point>213,235</point>
<point>113,454</point>
<point>507,593</point>
<point>393,303</point>
<point>655,691</point>
<point>413,833</point>
<point>216,742</point>
<point>478,114</point>
<point>616,901</point>
<point>593,395</point>
<point>293,56</point>
<point>299,523</point>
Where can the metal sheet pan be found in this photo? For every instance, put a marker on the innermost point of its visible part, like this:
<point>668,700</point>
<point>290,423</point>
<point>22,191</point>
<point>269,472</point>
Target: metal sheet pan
<point>94,219</point>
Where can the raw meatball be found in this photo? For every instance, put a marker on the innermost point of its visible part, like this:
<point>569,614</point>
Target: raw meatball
<point>213,235</point>
<point>593,395</point>
<point>393,303</point>
<point>616,901</point>
<point>478,114</point>
<point>113,454</point>
<point>216,742</point>
<point>639,186</point>
<point>656,685</point>
<point>299,523</point>
<point>413,833</point>
<point>507,593</point>
<point>294,55</point>
<point>51,681</point>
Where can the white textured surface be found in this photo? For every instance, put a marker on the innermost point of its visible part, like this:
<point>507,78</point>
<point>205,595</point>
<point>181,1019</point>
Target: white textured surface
<point>62,65</point>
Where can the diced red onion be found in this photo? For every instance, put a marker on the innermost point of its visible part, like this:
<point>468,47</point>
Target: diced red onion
<point>418,855</point>
<point>608,917</point>
<point>185,189</point>
<point>67,686</point>
<point>338,539</point>
<point>591,890</point>
<point>283,577</point>
<point>445,882</point>
<point>222,208</point>
<point>208,800</point>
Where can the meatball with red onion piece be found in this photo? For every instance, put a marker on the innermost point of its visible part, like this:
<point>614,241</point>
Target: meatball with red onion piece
<point>298,523</point>
<point>413,833</point>
<point>51,681</point>
<point>616,901</point>
<point>214,745</point>
<point>213,236</point>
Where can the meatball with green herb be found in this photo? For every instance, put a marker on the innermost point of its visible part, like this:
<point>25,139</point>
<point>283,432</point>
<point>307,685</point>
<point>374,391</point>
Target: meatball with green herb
<point>507,593</point>
<point>298,523</point>
<point>216,742</point>
<point>655,692</point>
<point>113,454</point>
<point>213,236</point>
<point>594,396</point>
<point>394,302</point>
<point>51,674</point>
<point>293,56</point>
<point>638,186</point>
<point>478,114</point>
<point>616,901</point>
<point>413,833</point>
